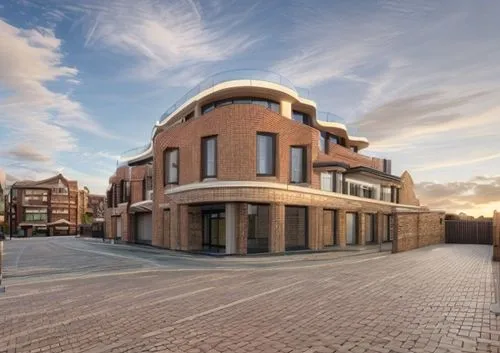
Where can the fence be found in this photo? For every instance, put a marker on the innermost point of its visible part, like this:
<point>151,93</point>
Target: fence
<point>469,232</point>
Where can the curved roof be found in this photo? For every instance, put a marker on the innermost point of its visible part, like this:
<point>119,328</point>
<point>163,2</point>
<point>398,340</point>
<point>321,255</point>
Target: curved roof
<point>251,80</point>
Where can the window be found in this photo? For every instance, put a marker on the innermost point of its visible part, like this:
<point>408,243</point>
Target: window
<point>189,116</point>
<point>334,139</point>
<point>271,105</point>
<point>323,138</point>
<point>171,167</point>
<point>258,228</point>
<point>209,157</point>
<point>366,192</point>
<point>354,149</point>
<point>301,117</point>
<point>298,164</point>
<point>338,182</point>
<point>266,153</point>
<point>354,189</point>
<point>385,193</point>
<point>327,181</point>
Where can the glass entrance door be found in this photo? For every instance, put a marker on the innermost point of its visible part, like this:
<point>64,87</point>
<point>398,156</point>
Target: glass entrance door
<point>214,230</point>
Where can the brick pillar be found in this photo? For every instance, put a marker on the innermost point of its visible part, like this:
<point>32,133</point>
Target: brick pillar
<point>241,228</point>
<point>361,228</point>
<point>183,227</point>
<point>174,226</point>
<point>165,229</point>
<point>379,228</point>
<point>396,242</point>
<point>340,232</point>
<point>277,231</point>
<point>315,227</point>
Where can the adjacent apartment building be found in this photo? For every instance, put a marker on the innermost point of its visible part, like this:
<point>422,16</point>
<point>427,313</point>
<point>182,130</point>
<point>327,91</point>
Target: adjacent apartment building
<point>45,207</point>
<point>246,163</point>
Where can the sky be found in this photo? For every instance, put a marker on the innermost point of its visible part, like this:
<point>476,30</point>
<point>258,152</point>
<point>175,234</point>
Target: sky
<point>83,81</point>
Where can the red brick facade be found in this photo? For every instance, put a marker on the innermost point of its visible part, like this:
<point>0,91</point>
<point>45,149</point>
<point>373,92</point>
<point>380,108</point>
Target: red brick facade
<point>179,211</point>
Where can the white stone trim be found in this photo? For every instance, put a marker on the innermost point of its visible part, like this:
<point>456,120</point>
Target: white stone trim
<point>277,186</point>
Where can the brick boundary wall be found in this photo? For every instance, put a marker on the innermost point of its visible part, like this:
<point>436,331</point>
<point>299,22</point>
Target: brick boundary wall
<point>496,236</point>
<point>413,230</point>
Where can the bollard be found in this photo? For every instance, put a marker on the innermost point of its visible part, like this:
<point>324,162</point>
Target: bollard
<point>2,288</point>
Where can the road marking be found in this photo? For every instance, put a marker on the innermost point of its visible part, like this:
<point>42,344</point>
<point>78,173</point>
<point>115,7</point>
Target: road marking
<point>240,301</point>
<point>93,315</point>
<point>19,256</point>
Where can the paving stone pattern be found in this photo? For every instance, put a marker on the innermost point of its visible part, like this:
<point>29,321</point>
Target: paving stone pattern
<point>434,299</point>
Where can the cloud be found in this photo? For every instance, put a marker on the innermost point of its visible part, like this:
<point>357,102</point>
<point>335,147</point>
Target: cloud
<point>478,196</point>
<point>29,109</point>
<point>27,153</point>
<point>163,38</point>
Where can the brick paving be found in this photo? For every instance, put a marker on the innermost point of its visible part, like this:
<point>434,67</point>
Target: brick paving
<point>434,299</point>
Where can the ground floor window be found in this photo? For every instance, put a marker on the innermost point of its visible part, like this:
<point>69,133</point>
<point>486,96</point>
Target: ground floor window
<point>214,230</point>
<point>295,228</point>
<point>351,224</point>
<point>369,228</point>
<point>329,227</point>
<point>258,228</point>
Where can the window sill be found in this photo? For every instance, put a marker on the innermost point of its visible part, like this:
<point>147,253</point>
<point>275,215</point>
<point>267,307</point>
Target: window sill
<point>208,179</point>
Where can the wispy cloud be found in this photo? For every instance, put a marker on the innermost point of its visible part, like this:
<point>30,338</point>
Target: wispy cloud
<point>163,37</point>
<point>27,153</point>
<point>30,59</point>
<point>478,196</point>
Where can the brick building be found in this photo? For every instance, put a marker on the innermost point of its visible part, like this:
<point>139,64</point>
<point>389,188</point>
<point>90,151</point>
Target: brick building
<point>246,163</point>
<point>43,207</point>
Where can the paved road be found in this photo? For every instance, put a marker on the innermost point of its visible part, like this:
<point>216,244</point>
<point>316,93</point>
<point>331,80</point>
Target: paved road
<point>66,295</point>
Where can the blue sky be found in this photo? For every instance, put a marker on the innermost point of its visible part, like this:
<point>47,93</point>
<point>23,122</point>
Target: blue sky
<point>83,81</point>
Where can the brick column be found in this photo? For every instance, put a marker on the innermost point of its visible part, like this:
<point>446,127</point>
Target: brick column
<point>175,221</point>
<point>361,229</point>
<point>396,242</point>
<point>241,228</point>
<point>277,231</point>
<point>183,227</point>
<point>315,227</point>
<point>379,228</point>
<point>340,229</point>
<point>165,229</point>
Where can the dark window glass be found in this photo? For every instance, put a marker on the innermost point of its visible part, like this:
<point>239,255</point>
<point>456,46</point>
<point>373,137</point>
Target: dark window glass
<point>301,117</point>
<point>242,101</point>
<point>258,228</point>
<point>266,154</point>
<point>298,164</point>
<point>209,157</point>
<point>274,106</point>
<point>207,108</point>
<point>223,103</point>
<point>171,171</point>
<point>323,138</point>
<point>189,116</point>
<point>354,149</point>
<point>333,139</point>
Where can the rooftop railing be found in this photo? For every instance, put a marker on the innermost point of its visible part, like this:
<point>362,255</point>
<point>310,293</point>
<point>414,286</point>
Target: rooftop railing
<point>333,118</point>
<point>234,75</point>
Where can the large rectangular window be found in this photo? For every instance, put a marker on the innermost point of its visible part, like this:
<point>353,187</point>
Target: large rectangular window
<point>301,117</point>
<point>266,153</point>
<point>171,170</point>
<point>209,157</point>
<point>326,181</point>
<point>338,182</point>
<point>258,228</point>
<point>323,141</point>
<point>295,228</point>
<point>298,164</point>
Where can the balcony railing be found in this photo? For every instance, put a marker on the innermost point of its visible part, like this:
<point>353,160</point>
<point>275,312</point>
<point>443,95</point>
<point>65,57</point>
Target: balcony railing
<point>234,75</point>
<point>333,118</point>
<point>135,151</point>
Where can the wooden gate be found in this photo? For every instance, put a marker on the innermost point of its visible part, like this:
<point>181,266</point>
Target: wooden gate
<point>469,232</point>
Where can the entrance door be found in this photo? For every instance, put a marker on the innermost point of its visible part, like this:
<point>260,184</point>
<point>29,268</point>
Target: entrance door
<point>370,228</point>
<point>144,228</point>
<point>351,228</point>
<point>214,230</point>
<point>118,227</point>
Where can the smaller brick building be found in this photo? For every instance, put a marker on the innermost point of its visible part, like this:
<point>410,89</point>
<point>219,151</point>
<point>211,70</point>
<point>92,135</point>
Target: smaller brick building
<point>48,206</point>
